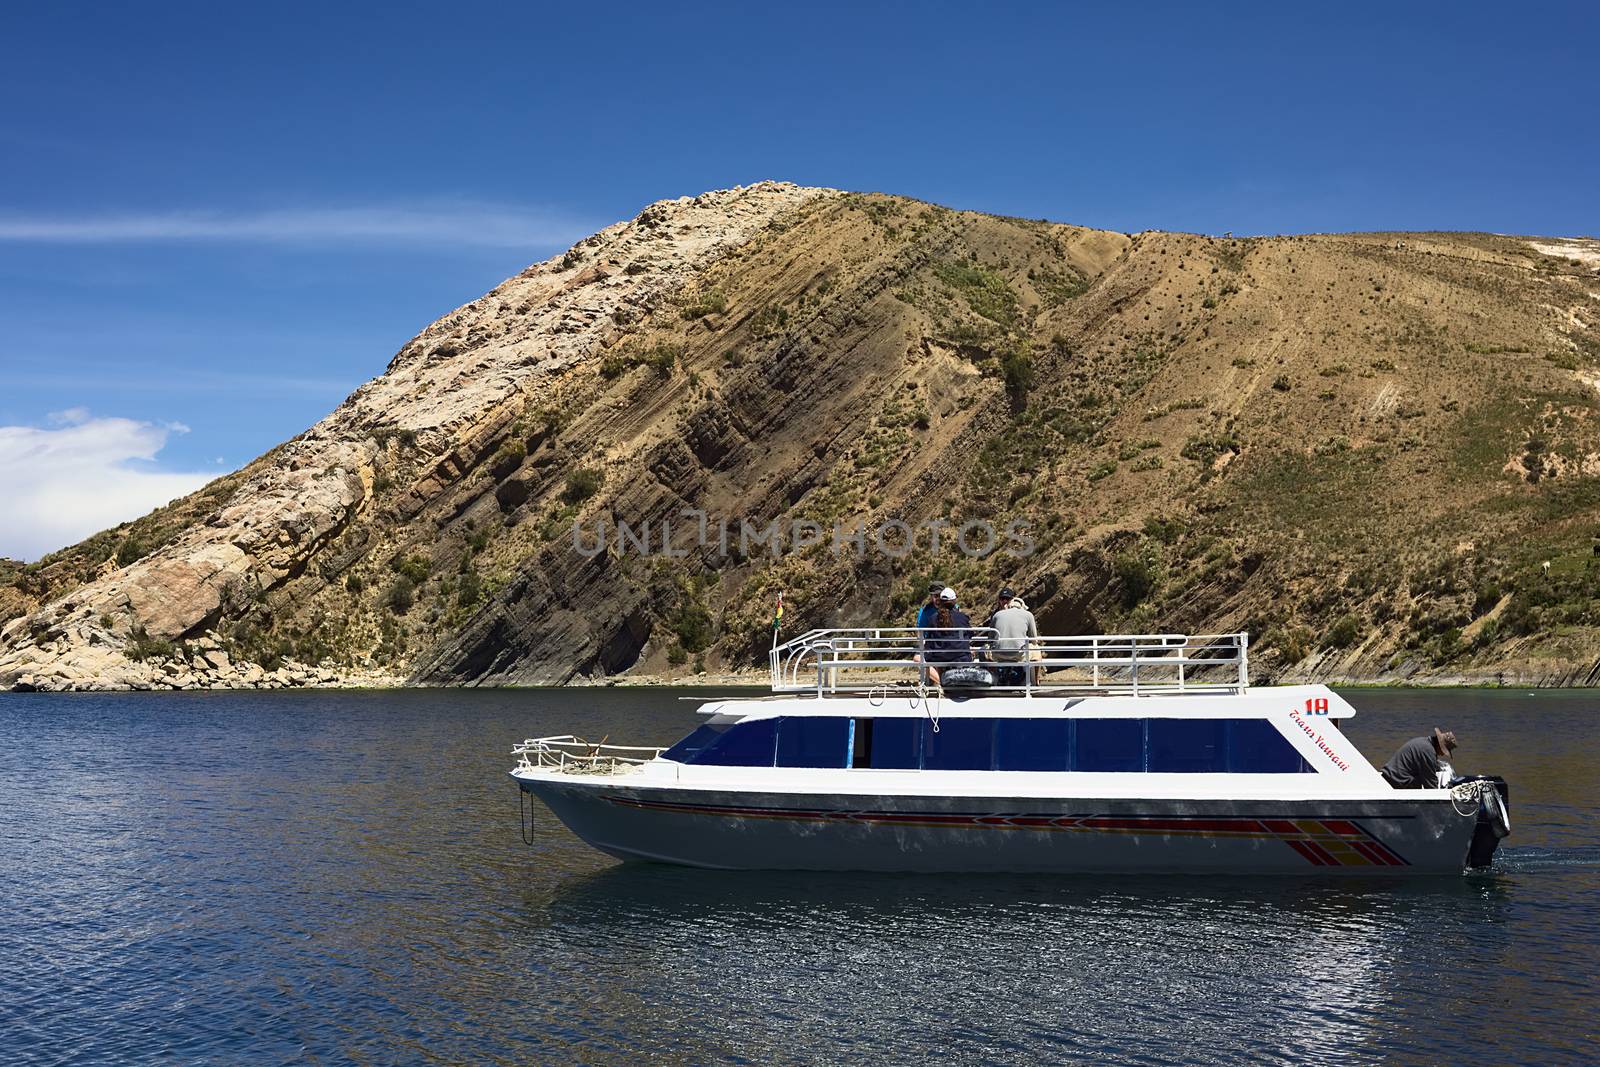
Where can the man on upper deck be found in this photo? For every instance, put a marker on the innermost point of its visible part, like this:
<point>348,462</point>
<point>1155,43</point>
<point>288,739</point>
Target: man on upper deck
<point>1014,628</point>
<point>1417,764</point>
<point>930,608</point>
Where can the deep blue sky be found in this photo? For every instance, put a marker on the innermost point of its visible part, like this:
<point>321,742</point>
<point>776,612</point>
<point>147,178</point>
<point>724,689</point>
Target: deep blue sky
<point>228,218</point>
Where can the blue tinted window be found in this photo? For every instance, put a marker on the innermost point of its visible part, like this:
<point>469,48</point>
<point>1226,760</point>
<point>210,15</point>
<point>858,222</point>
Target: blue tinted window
<point>804,741</point>
<point>686,750</point>
<point>1256,747</point>
<point>959,745</point>
<point>1242,746</point>
<point>1032,744</point>
<point>895,743</point>
<point>1109,745</point>
<point>745,744</point>
<point>1195,746</point>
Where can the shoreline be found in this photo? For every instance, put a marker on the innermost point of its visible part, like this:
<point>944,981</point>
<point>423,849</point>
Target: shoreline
<point>751,682</point>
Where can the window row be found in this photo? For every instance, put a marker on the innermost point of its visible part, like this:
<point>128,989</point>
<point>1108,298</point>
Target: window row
<point>1247,746</point>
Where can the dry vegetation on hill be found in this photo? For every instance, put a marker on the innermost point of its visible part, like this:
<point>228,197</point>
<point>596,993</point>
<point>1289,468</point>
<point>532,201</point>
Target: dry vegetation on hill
<point>1362,448</point>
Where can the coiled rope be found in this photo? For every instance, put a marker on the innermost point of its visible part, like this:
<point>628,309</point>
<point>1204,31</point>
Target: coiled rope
<point>930,706</point>
<point>1471,792</point>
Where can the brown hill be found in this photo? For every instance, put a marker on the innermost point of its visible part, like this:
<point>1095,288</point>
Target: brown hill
<point>1362,448</point>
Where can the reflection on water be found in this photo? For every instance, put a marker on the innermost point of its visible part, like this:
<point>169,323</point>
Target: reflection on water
<point>339,877</point>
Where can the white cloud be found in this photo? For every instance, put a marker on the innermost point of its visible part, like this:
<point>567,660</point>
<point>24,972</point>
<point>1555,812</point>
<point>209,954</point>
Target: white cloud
<point>455,223</point>
<point>74,416</point>
<point>61,485</point>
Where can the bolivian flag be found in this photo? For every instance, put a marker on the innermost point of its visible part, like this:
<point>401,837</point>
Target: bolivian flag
<point>777,616</point>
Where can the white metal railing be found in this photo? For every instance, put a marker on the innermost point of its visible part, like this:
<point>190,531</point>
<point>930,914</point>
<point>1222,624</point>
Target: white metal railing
<point>894,657</point>
<point>574,755</point>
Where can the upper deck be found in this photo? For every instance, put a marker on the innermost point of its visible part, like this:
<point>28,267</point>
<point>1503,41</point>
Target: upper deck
<point>877,659</point>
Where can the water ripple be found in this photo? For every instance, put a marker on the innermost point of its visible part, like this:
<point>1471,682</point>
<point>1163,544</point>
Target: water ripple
<point>339,878</point>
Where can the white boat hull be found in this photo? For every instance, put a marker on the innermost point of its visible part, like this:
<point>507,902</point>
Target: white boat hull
<point>1417,832</point>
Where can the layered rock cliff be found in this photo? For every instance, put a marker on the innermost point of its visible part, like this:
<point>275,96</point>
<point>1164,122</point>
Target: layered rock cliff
<point>1363,448</point>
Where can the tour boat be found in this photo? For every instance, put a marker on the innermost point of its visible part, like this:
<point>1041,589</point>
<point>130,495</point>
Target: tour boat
<point>1137,753</point>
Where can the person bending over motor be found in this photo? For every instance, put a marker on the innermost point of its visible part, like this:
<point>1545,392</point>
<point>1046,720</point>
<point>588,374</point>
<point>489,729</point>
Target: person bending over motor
<point>1421,762</point>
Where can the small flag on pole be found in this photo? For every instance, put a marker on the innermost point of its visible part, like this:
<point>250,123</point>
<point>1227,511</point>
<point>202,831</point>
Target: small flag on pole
<point>777,616</point>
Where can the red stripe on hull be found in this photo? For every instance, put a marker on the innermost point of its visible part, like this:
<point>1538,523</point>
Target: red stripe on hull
<point>1305,850</point>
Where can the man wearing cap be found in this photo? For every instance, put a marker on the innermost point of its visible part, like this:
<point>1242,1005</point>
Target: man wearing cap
<point>930,607</point>
<point>1000,603</point>
<point>1417,764</point>
<point>1014,626</point>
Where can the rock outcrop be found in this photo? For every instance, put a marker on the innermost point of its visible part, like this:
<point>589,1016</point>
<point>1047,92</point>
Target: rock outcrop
<point>1378,453</point>
<point>437,395</point>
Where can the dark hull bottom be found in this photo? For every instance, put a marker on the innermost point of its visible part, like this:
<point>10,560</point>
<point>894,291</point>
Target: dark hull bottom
<point>757,831</point>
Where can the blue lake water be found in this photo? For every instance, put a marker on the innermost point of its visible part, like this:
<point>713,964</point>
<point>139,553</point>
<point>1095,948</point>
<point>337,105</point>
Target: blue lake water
<point>338,877</point>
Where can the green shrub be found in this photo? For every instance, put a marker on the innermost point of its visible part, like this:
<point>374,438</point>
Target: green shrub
<point>469,590</point>
<point>511,450</point>
<point>1487,634</point>
<point>1343,634</point>
<point>1136,577</point>
<point>985,290</point>
<point>709,302</point>
<point>694,628</point>
<point>661,358</point>
<point>1206,448</point>
<point>1056,288</point>
<point>415,568</point>
<point>1167,531</point>
<point>549,420</point>
<point>131,551</point>
<point>1016,370</point>
<point>142,646</point>
<point>354,583</point>
<point>582,483</point>
<point>401,595</point>
<point>1281,383</point>
<point>1292,642</point>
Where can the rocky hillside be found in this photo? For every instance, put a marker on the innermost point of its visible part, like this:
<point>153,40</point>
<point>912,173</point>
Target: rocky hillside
<point>1379,453</point>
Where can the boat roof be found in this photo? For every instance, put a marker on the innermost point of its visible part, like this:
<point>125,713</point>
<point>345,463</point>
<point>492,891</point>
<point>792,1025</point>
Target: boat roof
<point>1310,702</point>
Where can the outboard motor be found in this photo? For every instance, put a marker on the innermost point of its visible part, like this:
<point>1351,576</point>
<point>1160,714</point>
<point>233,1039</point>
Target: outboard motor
<point>1494,814</point>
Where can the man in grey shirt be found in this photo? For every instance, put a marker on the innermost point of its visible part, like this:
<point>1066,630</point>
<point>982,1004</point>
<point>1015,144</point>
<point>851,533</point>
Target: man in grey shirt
<point>1013,625</point>
<point>1416,765</point>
